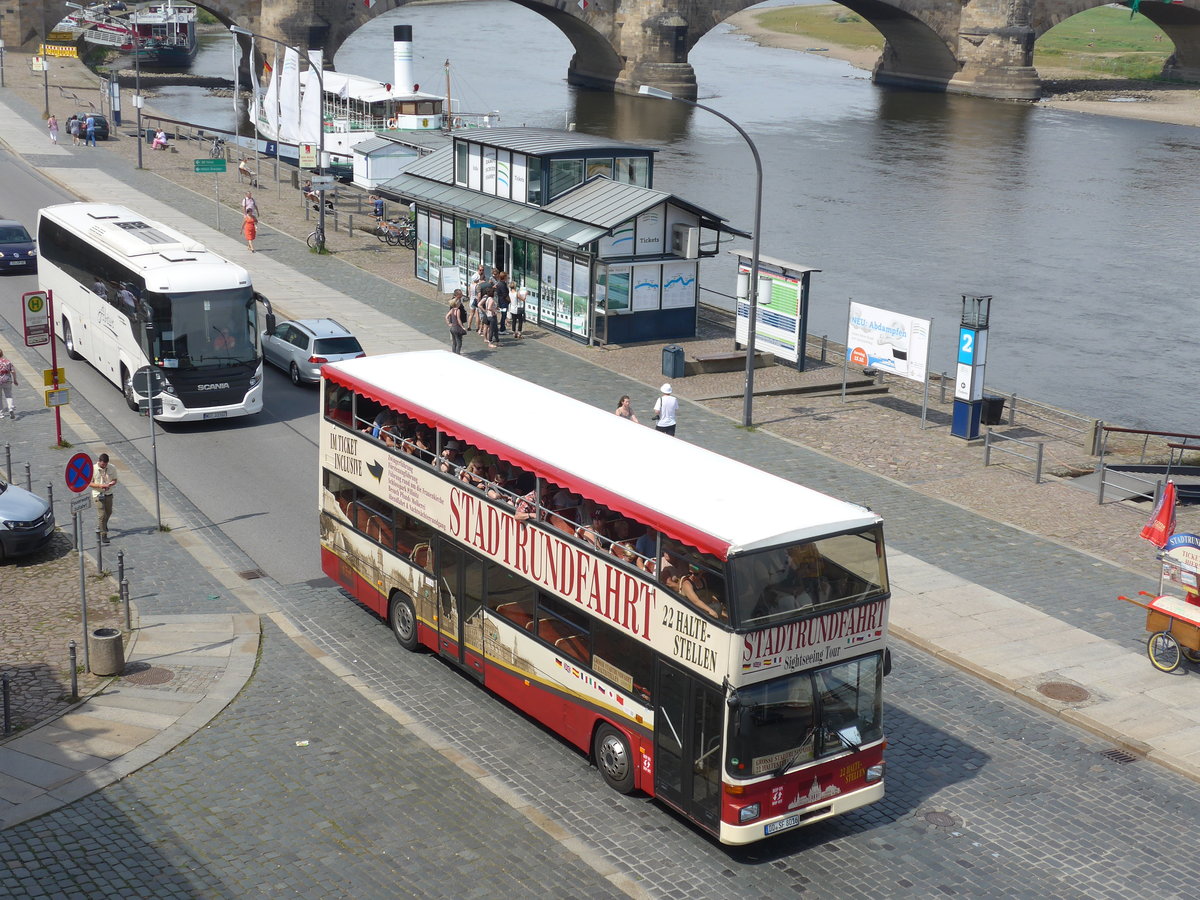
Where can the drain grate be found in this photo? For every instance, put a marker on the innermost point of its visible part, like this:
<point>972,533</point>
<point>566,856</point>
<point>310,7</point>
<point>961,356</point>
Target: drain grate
<point>940,819</point>
<point>1119,756</point>
<point>1064,692</point>
<point>145,674</point>
<point>251,574</point>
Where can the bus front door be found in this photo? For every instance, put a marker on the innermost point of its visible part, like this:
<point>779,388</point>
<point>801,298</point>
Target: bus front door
<point>687,744</point>
<point>460,607</point>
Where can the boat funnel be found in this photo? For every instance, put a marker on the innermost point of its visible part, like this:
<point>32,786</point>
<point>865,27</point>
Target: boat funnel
<point>402,59</point>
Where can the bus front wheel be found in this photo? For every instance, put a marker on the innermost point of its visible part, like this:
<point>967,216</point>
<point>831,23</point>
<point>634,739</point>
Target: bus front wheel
<point>69,340</point>
<point>127,389</point>
<point>403,619</point>
<point>613,758</point>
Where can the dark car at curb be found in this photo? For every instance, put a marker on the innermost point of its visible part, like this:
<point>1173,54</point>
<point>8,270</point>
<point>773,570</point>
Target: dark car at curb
<point>26,521</point>
<point>18,251</point>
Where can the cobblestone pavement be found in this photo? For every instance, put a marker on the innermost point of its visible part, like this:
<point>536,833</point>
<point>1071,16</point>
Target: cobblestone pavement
<point>986,797</point>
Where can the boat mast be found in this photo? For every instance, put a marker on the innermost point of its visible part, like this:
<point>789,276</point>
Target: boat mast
<point>447,120</point>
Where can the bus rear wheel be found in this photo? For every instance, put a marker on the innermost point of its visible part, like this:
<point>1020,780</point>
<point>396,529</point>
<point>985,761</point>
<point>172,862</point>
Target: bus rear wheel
<point>403,619</point>
<point>613,758</point>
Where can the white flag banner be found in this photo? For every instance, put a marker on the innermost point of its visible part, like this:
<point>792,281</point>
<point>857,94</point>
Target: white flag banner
<point>310,105</point>
<point>270,121</point>
<point>289,98</point>
<point>255,87</point>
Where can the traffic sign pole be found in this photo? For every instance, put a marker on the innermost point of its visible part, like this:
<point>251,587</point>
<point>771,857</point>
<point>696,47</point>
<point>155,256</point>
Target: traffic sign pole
<point>54,366</point>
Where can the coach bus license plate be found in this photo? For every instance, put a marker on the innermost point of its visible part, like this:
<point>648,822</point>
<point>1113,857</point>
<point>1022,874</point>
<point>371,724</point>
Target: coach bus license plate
<point>17,262</point>
<point>782,825</point>
<point>216,415</point>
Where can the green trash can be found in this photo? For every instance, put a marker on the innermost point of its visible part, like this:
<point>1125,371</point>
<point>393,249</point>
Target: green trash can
<point>672,361</point>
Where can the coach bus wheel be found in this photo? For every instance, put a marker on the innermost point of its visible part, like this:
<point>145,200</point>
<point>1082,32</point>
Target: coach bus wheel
<point>127,389</point>
<point>403,620</point>
<point>613,759</point>
<point>69,341</point>
<point>1163,650</point>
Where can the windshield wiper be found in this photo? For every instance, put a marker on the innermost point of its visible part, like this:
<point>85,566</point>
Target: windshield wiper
<point>795,757</point>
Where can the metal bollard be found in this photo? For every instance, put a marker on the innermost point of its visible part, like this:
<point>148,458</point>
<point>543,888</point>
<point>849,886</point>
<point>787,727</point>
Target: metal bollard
<point>50,498</point>
<point>125,600</point>
<point>942,388</point>
<point>99,552</point>
<point>7,461</point>
<point>28,479</point>
<point>74,670</point>
<point>350,223</point>
<point>824,348</point>
<point>120,566</point>
<point>7,717</point>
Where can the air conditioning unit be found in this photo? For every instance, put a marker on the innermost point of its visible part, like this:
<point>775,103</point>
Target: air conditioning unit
<point>685,241</point>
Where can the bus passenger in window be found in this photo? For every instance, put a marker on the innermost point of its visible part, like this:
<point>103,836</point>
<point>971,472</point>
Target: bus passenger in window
<point>126,300</point>
<point>801,583</point>
<point>100,289</point>
<point>672,570</point>
<point>596,533</point>
<point>694,589</point>
<point>452,460</point>
<point>527,507</point>
<point>424,444</point>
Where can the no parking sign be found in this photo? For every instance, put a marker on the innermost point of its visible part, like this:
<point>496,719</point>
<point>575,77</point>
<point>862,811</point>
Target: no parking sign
<point>79,472</point>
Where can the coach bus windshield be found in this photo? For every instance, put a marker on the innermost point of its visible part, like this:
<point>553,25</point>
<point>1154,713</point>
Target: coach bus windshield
<point>792,720</point>
<point>790,582</point>
<point>204,329</point>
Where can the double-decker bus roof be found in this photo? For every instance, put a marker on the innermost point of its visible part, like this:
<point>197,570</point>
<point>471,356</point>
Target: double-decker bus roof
<point>168,260</point>
<point>709,501</point>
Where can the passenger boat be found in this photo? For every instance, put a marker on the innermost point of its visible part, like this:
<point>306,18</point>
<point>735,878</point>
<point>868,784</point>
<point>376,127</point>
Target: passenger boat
<point>165,35</point>
<point>354,109</point>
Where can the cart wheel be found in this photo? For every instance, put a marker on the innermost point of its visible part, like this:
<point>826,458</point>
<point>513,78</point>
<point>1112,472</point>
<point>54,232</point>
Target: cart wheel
<point>1192,656</point>
<point>1163,650</point>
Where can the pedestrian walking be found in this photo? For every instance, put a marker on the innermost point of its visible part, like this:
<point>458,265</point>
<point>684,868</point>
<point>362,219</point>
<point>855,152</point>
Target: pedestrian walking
<point>250,205</point>
<point>625,409</point>
<point>503,301</point>
<point>491,319</point>
<point>52,124</point>
<point>8,380</point>
<point>73,129</point>
<point>456,321</point>
<point>89,127</point>
<point>104,479</point>
<point>665,408</point>
<point>250,230</point>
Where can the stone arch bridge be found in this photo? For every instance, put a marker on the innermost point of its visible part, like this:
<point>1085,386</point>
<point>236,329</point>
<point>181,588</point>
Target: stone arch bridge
<point>980,47</point>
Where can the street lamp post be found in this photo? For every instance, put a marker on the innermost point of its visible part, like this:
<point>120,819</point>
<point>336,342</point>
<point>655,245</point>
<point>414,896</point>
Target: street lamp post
<point>752,323</point>
<point>237,29</point>
<point>137,88</point>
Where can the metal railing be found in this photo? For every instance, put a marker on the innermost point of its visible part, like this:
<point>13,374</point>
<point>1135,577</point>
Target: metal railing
<point>997,441</point>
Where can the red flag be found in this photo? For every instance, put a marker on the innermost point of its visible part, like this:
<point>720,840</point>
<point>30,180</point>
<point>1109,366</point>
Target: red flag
<point>1162,521</point>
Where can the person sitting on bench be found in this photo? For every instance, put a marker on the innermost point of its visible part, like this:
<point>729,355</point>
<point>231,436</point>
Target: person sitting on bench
<point>244,172</point>
<point>160,140</point>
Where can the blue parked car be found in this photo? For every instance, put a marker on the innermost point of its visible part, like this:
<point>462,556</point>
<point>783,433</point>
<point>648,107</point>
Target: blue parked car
<point>26,521</point>
<point>18,252</point>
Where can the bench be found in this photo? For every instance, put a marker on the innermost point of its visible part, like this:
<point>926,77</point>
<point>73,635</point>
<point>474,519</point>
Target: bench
<point>734,361</point>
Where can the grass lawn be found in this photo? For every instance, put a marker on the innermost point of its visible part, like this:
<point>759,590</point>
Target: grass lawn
<point>1103,40</point>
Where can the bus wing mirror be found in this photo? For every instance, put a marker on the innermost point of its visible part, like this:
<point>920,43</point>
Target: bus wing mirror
<point>270,320</point>
<point>887,662</point>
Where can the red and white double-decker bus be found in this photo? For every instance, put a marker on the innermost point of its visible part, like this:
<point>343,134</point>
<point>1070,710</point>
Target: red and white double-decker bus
<point>711,634</point>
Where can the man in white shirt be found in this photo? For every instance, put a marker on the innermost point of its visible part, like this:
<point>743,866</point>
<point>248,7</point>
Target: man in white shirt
<point>104,478</point>
<point>665,408</point>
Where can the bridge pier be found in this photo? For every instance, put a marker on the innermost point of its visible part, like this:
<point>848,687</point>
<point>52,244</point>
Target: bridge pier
<point>649,45</point>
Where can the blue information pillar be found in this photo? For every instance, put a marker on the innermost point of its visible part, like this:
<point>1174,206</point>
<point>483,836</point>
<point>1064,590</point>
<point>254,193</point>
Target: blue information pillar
<point>972,358</point>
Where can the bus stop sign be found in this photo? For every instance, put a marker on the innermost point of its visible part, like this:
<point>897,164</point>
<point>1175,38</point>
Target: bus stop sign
<point>79,472</point>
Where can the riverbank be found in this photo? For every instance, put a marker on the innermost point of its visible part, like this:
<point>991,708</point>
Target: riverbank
<point>1066,89</point>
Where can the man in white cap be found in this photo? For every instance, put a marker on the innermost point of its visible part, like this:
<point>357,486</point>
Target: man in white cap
<point>664,410</point>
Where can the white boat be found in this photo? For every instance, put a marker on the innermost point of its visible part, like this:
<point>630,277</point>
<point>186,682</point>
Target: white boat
<point>353,108</point>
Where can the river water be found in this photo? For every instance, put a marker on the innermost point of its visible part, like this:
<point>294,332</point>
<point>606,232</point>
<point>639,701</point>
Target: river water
<point>1078,226</point>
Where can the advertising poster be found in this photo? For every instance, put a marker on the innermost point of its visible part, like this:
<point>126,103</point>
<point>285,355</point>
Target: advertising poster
<point>779,312</point>
<point>888,340</point>
<point>678,285</point>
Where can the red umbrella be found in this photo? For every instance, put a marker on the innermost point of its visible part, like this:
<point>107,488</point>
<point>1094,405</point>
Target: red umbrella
<point>1162,521</point>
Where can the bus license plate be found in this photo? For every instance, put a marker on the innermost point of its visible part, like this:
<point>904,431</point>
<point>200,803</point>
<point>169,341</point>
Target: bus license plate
<point>781,825</point>
<point>216,415</point>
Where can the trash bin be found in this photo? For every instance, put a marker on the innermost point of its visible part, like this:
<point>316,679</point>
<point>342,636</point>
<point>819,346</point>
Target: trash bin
<point>672,361</point>
<point>106,651</point>
<point>993,410</point>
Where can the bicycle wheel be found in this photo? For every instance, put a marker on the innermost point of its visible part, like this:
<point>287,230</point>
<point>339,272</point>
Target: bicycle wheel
<point>409,239</point>
<point>316,240</point>
<point>392,238</point>
<point>1163,650</point>
<point>382,234</point>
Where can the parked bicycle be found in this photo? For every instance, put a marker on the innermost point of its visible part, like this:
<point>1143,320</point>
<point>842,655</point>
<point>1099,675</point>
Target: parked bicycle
<point>396,233</point>
<point>216,149</point>
<point>316,240</point>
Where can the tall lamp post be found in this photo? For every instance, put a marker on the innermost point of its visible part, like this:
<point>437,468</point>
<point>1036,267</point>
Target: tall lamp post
<point>752,323</point>
<point>237,29</point>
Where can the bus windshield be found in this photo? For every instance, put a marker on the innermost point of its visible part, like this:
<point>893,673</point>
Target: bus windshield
<point>797,580</point>
<point>798,718</point>
<point>202,329</point>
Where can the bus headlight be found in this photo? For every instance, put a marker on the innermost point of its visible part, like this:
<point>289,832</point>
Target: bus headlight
<point>749,813</point>
<point>874,773</point>
<point>256,378</point>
